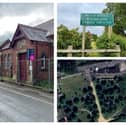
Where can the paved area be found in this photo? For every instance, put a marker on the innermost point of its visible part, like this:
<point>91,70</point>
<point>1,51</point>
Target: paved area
<point>17,105</point>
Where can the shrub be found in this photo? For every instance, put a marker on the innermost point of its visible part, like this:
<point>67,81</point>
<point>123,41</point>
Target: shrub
<point>75,109</point>
<point>104,42</point>
<point>75,99</point>
<point>69,102</point>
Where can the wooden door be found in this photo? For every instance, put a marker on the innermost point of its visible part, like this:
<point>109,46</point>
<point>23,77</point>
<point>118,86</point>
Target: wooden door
<point>22,67</point>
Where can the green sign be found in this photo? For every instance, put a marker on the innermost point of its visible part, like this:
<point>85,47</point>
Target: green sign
<point>90,19</point>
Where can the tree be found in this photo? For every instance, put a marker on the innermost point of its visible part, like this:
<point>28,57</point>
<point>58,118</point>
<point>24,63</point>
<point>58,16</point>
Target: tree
<point>119,12</point>
<point>73,37</point>
<point>68,37</point>
<point>67,66</point>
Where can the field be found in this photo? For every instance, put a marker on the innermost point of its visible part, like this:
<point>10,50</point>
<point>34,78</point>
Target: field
<point>73,89</point>
<point>79,103</point>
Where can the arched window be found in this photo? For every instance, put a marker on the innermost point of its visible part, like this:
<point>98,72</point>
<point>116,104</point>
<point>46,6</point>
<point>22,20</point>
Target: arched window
<point>6,56</point>
<point>2,59</point>
<point>9,61</point>
<point>43,61</point>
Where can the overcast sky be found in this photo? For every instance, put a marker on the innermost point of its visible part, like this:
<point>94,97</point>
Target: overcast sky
<point>69,14</point>
<point>12,14</point>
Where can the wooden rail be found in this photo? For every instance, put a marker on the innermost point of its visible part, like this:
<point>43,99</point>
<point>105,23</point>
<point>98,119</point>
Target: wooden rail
<point>70,50</point>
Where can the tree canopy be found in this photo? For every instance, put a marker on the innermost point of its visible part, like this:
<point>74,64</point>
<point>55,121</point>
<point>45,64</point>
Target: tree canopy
<point>119,11</point>
<point>73,37</point>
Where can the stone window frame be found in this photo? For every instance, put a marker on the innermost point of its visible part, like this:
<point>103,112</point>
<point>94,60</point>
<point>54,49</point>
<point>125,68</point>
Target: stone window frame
<point>43,61</point>
<point>9,60</point>
<point>5,61</point>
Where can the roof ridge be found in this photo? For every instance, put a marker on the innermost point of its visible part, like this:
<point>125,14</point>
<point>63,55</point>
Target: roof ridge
<point>45,22</point>
<point>48,21</point>
<point>34,28</point>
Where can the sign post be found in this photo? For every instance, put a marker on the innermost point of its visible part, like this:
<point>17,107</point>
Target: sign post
<point>109,31</point>
<point>83,39</point>
<point>30,68</point>
<point>31,57</point>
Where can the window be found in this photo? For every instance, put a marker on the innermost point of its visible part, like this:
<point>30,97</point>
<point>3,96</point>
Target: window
<point>6,61</point>
<point>2,60</point>
<point>9,61</point>
<point>43,61</point>
<point>21,43</point>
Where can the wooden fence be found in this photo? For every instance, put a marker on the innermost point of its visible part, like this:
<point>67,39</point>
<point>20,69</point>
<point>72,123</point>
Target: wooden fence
<point>70,50</point>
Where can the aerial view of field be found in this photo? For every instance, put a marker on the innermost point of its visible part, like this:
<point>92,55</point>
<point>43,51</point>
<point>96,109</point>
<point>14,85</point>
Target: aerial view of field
<point>91,91</point>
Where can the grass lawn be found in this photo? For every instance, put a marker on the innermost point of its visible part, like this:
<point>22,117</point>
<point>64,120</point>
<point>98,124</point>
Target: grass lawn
<point>72,85</point>
<point>83,116</point>
<point>45,85</point>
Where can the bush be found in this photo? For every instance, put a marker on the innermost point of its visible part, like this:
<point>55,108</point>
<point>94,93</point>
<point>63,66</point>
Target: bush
<point>120,40</point>
<point>104,42</point>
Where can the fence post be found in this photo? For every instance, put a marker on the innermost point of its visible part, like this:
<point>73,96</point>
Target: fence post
<point>70,53</point>
<point>118,48</point>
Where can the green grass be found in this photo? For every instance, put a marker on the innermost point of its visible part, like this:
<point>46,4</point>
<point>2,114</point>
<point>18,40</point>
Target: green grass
<point>69,87</point>
<point>83,116</point>
<point>72,85</point>
<point>7,78</point>
<point>45,85</point>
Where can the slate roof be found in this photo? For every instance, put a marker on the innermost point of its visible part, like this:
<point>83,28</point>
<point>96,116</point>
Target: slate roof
<point>48,25</point>
<point>5,45</point>
<point>33,33</point>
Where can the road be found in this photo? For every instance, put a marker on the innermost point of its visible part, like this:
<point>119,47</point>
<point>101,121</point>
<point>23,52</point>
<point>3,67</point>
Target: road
<point>20,105</point>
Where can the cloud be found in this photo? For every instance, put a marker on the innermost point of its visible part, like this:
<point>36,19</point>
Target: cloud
<point>5,36</point>
<point>69,14</point>
<point>11,26</point>
<point>29,14</point>
<point>22,9</point>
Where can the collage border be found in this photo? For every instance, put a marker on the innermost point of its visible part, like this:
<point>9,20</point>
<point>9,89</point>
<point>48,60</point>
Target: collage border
<point>55,3</point>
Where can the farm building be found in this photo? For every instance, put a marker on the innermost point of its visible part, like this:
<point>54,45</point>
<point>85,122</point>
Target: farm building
<point>29,56</point>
